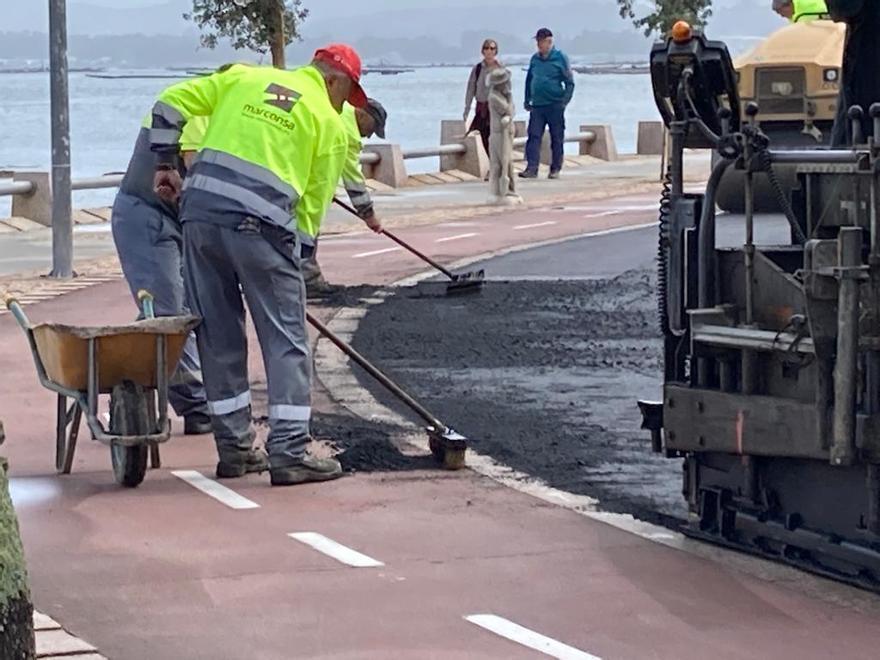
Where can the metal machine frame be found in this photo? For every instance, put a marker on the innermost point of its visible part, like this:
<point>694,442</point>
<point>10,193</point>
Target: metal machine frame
<point>772,352</point>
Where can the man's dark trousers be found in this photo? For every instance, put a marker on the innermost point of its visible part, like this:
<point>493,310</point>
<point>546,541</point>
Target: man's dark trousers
<point>539,117</point>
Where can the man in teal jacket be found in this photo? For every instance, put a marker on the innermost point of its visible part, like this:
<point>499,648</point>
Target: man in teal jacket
<point>549,88</point>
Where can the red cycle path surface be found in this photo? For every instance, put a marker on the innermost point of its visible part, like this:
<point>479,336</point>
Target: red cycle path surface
<point>164,571</point>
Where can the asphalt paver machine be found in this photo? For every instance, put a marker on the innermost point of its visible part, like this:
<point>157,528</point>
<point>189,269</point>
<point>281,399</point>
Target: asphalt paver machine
<point>771,388</point>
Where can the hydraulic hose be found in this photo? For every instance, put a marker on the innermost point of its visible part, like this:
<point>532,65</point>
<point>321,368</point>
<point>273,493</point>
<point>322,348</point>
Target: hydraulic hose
<point>663,251</point>
<point>766,166</point>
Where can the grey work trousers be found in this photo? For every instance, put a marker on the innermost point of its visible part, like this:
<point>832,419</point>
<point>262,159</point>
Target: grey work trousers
<point>219,260</point>
<point>150,251</point>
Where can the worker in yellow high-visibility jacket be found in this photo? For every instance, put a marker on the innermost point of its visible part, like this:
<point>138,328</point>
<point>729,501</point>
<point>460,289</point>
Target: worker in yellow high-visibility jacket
<point>149,242</point>
<point>251,207</point>
<point>360,123</point>
<point>801,10</point>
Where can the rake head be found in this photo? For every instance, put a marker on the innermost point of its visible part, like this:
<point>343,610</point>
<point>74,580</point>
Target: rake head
<point>447,446</point>
<point>469,282</point>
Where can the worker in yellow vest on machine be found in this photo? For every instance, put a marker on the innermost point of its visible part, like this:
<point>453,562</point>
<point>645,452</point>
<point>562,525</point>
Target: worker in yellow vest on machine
<point>801,10</point>
<point>251,208</point>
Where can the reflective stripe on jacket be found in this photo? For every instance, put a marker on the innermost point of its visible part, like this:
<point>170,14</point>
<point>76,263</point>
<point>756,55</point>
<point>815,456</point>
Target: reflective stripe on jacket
<point>274,147</point>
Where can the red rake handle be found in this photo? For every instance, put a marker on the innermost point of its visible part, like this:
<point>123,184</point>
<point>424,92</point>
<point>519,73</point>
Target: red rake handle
<point>401,243</point>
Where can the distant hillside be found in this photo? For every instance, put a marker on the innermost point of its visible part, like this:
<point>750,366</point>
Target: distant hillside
<point>145,34</point>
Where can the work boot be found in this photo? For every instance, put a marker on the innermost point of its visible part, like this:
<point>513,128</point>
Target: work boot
<point>309,469</point>
<point>255,461</point>
<point>528,174</point>
<point>321,288</point>
<point>554,174</point>
<point>196,424</point>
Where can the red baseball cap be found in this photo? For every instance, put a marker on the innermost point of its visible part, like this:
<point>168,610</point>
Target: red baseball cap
<point>345,59</point>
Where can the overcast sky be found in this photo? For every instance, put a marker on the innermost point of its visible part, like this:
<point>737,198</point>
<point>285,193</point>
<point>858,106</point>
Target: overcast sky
<point>347,17</point>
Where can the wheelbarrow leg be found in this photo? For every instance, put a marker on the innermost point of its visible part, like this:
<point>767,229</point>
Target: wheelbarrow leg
<point>71,442</point>
<point>65,441</point>
<point>155,461</point>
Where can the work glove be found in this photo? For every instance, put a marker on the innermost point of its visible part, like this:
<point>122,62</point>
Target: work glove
<point>167,184</point>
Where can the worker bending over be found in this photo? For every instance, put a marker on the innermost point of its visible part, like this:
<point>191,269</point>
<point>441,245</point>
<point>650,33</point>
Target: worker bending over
<point>251,208</point>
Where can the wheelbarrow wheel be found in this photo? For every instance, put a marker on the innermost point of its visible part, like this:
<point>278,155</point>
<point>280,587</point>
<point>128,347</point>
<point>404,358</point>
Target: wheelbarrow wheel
<point>131,414</point>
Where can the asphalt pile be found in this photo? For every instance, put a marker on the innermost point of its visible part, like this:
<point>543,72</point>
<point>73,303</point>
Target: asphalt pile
<point>542,376</point>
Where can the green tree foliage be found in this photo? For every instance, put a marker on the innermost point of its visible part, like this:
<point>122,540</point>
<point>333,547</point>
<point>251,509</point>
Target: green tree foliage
<point>257,25</point>
<point>665,14</point>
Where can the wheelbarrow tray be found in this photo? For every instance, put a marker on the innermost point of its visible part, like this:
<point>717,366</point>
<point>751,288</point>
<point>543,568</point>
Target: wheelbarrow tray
<point>123,352</point>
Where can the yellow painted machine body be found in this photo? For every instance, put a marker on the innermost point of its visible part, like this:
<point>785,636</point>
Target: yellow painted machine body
<point>794,74</point>
<point>794,77</point>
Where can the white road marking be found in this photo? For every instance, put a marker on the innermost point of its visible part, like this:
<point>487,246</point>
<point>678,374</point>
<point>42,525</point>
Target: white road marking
<point>467,223</point>
<point>601,214</point>
<point>455,238</point>
<point>537,224</point>
<point>373,253</point>
<point>106,417</point>
<point>335,550</point>
<point>516,633</point>
<point>618,230</point>
<point>213,489</point>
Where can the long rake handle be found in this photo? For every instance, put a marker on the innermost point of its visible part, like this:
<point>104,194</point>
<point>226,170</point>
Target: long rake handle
<point>402,243</point>
<point>421,256</point>
<point>389,384</point>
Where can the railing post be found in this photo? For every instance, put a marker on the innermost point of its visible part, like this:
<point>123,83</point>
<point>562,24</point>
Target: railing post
<point>475,160</point>
<point>37,205</point>
<point>650,138</point>
<point>520,128</point>
<point>603,146</point>
<point>452,131</point>
<point>390,169</point>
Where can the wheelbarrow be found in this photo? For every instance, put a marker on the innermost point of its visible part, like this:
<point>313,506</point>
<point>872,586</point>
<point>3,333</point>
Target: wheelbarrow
<point>132,363</point>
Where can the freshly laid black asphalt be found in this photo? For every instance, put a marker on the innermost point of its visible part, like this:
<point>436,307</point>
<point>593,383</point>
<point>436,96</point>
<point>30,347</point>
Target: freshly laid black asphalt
<point>543,372</point>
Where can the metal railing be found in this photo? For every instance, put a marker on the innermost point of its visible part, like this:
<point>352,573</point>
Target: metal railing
<point>366,158</point>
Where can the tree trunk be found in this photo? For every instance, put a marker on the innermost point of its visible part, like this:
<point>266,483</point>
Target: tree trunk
<point>278,40</point>
<point>16,611</point>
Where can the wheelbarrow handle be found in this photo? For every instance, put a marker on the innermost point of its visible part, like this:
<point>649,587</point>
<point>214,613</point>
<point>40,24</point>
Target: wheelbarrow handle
<point>18,312</point>
<point>145,298</point>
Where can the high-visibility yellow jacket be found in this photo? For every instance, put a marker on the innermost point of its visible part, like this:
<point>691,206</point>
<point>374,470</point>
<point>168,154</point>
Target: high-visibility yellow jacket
<point>274,147</point>
<point>809,10</point>
<point>352,174</point>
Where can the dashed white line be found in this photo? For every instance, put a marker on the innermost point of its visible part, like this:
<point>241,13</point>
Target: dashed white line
<point>516,633</point>
<point>455,238</point>
<point>601,214</point>
<point>213,489</point>
<point>537,224</point>
<point>373,253</point>
<point>335,550</point>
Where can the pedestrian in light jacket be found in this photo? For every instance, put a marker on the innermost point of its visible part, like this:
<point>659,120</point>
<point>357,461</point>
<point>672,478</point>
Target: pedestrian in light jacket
<point>477,90</point>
